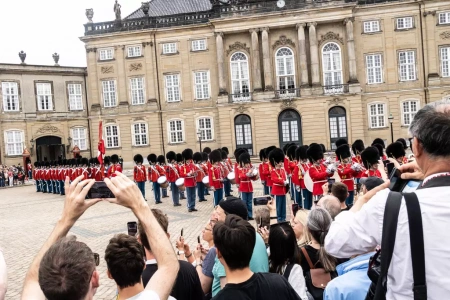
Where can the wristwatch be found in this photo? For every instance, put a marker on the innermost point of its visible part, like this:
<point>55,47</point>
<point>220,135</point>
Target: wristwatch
<point>180,252</point>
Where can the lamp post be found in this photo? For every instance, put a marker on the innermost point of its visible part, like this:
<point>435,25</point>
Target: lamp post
<point>391,120</point>
<point>69,139</point>
<point>32,146</point>
<point>199,134</point>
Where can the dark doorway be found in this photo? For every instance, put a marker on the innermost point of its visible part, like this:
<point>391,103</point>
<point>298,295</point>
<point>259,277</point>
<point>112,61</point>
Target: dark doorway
<point>290,128</point>
<point>50,148</point>
<point>243,131</point>
<point>338,125</point>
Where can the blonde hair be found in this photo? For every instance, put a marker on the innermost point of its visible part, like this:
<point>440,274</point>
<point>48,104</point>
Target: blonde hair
<point>302,217</point>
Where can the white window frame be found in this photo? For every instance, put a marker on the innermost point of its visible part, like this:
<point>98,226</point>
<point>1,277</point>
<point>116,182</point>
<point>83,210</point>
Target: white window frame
<point>46,96</point>
<point>335,87</point>
<point>445,63</point>
<point>371,67</point>
<point>75,98</point>
<point>173,92</point>
<point>205,130</point>
<point>199,45</point>
<point>18,145</point>
<point>169,131</point>
<point>141,134</point>
<point>169,48</point>
<point>405,21</point>
<point>371,26</point>
<point>137,94</point>
<point>377,115</point>
<point>13,98</point>
<point>106,54</point>
<point>445,17</point>
<point>134,51</point>
<point>109,96</point>
<point>411,113</point>
<point>202,94</point>
<point>287,92</point>
<point>113,145</point>
<point>77,138</point>
<point>244,77</point>
<point>410,68</point>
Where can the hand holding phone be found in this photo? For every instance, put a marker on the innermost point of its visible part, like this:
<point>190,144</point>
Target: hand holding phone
<point>99,190</point>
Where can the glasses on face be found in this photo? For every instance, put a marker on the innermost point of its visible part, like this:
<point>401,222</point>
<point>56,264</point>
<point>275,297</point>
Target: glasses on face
<point>97,259</point>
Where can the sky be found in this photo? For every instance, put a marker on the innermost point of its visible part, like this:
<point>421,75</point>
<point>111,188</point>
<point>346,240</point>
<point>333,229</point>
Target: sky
<point>43,27</point>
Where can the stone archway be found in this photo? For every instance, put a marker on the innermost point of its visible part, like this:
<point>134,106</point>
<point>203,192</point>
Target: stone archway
<point>50,148</point>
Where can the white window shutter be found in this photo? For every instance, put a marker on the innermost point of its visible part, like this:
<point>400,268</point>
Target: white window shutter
<point>147,134</point>
<point>133,135</point>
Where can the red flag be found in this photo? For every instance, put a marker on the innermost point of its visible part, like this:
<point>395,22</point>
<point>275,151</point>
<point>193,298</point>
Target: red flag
<point>101,144</point>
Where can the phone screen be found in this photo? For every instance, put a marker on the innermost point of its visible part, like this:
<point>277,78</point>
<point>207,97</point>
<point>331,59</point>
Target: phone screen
<point>411,186</point>
<point>331,180</point>
<point>132,228</point>
<point>99,190</point>
<point>261,200</point>
<point>390,167</point>
<point>386,162</point>
<point>397,182</point>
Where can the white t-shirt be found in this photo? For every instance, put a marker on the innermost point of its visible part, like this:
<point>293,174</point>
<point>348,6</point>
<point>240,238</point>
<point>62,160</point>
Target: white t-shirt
<point>148,295</point>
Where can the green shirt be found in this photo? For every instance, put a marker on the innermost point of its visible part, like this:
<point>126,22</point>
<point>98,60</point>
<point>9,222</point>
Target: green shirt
<point>258,263</point>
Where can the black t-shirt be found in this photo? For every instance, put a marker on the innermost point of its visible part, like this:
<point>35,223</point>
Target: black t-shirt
<point>187,285</point>
<point>260,286</point>
<point>348,207</point>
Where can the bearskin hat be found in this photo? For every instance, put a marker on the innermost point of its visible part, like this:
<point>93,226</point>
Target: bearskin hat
<point>96,162</point>
<point>403,141</point>
<point>223,153</point>
<point>204,156</point>
<point>378,141</point>
<point>179,157</point>
<point>343,152</point>
<point>107,160</point>
<point>379,148</point>
<point>300,153</point>
<point>78,161</point>
<point>36,164</point>
<point>314,152</point>
<point>269,149</point>
<point>341,142</point>
<point>171,156</point>
<point>262,154</point>
<point>152,158</point>
<point>291,152</point>
<point>276,156</point>
<point>114,158</point>
<point>215,156</point>
<point>324,149</point>
<point>244,158</point>
<point>286,147</point>
<point>161,159</point>
<point>138,159</point>
<point>207,150</point>
<point>370,156</point>
<point>395,150</point>
<point>226,150</point>
<point>197,157</point>
<point>91,161</point>
<point>238,153</point>
<point>187,154</point>
<point>358,147</point>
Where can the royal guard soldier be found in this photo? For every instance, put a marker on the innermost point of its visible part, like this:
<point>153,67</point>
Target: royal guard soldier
<point>371,159</point>
<point>205,167</point>
<point>347,171</point>
<point>339,143</point>
<point>286,158</point>
<point>29,169</point>
<point>53,173</point>
<point>357,148</point>
<point>268,172</point>
<point>237,154</point>
<point>379,144</point>
<point>318,172</point>
<point>292,162</point>
<point>200,173</point>
<point>73,169</point>
<point>106,165</point>
<point>97,173</point>
<point>262,158</point>
<point>298,177</point>
<point>140,173</point>
<point>85,170</point>
<point>405,147</point>
<point>153,175</point>
<point>229,166</point>
<point>162,169</point>
<point>396,153</point>
<point>215,174</point>
<point>62,176</point>
<point>172,175</point>
<point>115,166</point>
<point>180,164</point>
<point>36,176</point>
<point>245,174</point>
<point>207,150</point>
<point>188,172</point>
<point>47,178</point>
<point>280,182</point>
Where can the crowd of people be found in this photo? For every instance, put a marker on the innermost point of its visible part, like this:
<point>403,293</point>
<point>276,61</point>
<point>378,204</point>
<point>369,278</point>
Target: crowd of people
<point>13,175</point>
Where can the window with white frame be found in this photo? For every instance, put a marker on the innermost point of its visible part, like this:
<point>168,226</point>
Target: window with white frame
<point>169,48</point>
<point>371,26</point>
<point>172,82</point>
<point>14,142</point>
<point>139,133</point>
<point>79,137</point>
<point>198,45</point>
<point>377,115</point>
<point>134,51</point>
<point>75,96</point>
<point>332,67</point>
<point>137,90</point>
<point>409,110</point>
<point>205,126</point>
<point>106,54</point>
<point>176,131</point>
<point>404,23</point>
<point>374,68</point>
<point>201,82</point>
<point>240,80</point>
<point>44,96</point>
<point>10,92</point>
<point>444,18</point>
<point>445,61</point>
<point>407,65</point>
<point>285,71</point>
<point>109,93</point>
<point>112,136</point>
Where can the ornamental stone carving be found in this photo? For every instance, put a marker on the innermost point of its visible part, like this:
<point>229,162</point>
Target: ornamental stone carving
<point>335,101</point>
<point>48,129</point>
<point>135,67</point>
<point>91,50</point>
<point>241,109</point>
<point>283,41</point>
<point>107,69</point>
<point>287,103</point>
<point>445,35</point>
<point>331,36</point>
<point>238,46</point>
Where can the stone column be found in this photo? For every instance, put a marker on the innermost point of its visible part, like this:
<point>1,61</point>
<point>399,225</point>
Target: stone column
<point>304,80</point>
<point>348,22</point>
<point>93,92</point>
<point>268,85</point>
<point>121,75</point>
<point>220,64</point>
<point>314,49</point>
<point>255,61</point>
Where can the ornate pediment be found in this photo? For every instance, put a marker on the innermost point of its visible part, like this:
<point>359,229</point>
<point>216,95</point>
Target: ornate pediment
<point>336,101</point>
<point>241,109</point>
<point>287,103</point>
<point>331,36</point>
<point>445,35</point>
<point>48,129</point>
<point>107,69</point>
<point>238,46</point>
<point>283,41</point>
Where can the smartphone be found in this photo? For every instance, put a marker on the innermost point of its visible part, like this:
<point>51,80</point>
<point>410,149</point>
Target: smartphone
<point>331,180</point>
<point>397,183</point>
<point>295,208</point>
<point>132,228</point>
<point>181,232</point>
<point>261,200</point>
<point>99,190</point>
<point>198,239</point>
<point>390,167</point>
<point>386,162</point>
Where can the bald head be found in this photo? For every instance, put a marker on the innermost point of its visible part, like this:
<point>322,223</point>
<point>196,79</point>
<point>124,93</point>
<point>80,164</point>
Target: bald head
<point>330,204</point>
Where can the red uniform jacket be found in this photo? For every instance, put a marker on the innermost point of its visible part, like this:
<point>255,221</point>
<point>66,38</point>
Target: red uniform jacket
<point>286,165</point>
<point>188,173</point>
<point>278,177</point>
<point>34,174</point>
<point>371,173</point>
<point>298,177</point>
<point>172,173</point>
<point>154,172</point>
<point>405,160</point>
<point>264,171</point>
<point>72,174</point>
<point>235,169</point>
<point>113,169</point>
<point>269,176</point>
<point>86,172</point>
<point>52,174</point>
<point>319,176</point>
<point>292,165</point>
<point>215,174</point>
<point>357,159</point>
<point>140,173</point>
<point>245,185</point>
<point>347,174</point>
<point>199,173</point>
<point>97,174</point>
<point>47,175</point>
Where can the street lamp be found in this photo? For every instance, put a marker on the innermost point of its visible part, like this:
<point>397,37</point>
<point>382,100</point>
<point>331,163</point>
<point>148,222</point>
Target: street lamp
<point>199,134</point>
<point>391,120</point>
<point>69,139</point>
<point>32,146</point>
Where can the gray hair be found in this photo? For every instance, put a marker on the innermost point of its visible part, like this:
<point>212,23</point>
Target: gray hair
<point>332,205</point>
<point>431,126</point>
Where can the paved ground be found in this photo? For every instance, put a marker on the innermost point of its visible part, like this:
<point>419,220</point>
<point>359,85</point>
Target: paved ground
<point>27,218</point>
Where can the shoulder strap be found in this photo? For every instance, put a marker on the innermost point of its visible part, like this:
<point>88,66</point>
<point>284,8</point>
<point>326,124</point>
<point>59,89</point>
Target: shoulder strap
<point>417,246</point>
<point>288,270</point>
<point>305,254</point>
<point>390,221</point>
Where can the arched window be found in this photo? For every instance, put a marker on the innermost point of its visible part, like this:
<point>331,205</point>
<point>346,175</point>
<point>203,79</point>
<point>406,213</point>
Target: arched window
<point>240,80</point>
<point>285,71</point>
<point>338,124</point>
<point>332,68</point>
<point>243,131</point>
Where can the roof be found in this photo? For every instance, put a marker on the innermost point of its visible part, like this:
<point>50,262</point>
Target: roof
<point>172,7</point>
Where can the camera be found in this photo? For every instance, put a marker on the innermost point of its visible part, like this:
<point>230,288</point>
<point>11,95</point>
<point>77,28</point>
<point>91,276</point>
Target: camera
<point>99,190</point>
<point>257,201</point>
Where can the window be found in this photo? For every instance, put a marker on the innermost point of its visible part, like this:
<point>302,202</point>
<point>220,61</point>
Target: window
<point>44,96</point>
<point>376,115</point>
<point>374,68</point>
<point>239,77</point>
<point>112,136</point>
<point>134,51</point>
<point>10,91</point>
<point>285,71</point>
<point>409,110</point>
<point>444,18</point>
<point>169,48</point>
<point>172,88</point>
<point>205,127</point>
<point>14,142</point>
<point>106,54</point>
<point>371,26</point>
<point>201,85</point>
<point>137,90</point>
<point>445,61</point>
<point>75,96</point>
<point>176,131</point>
<point>109,93</point>
<point>198,45</point>
<point>407,64</point>
<point>139,133</point>
<point>405,23</point>
<point>79,138</point>
<point>332,68</point>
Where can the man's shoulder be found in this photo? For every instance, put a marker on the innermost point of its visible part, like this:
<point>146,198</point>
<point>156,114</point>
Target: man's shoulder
<point>145,295</point>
